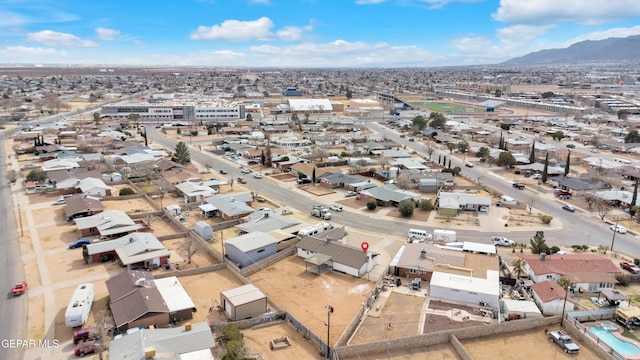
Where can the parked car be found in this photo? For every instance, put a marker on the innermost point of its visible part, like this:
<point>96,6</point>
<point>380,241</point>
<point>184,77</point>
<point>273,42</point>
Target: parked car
<point>403,136</point>
<point>537,176</point>
<point>241,180</point>
<point>223,171</point>
<point>618,228</point>
<point>335,207</point>
<point>469,165</point>
<point>86,347</point>
<point>483,209</point>
<point>19,288</point>
<point>571,146</point>
<point>350,193</point>
<point>245,171</point>
<point>519,186</point>
<point>257,175</point>
<point>304,180</point>
<point>564,341</point>
<point>631,267</point>
<point>60,201</point>
<point>80,243</point>
<point>569,208</point>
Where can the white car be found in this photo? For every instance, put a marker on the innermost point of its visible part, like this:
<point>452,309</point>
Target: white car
<point>618,228</point>
<point>60,201</point>
<point>537,176</point>
<point>245,171</point>
<point>335,207</point>
<point>257,176</point>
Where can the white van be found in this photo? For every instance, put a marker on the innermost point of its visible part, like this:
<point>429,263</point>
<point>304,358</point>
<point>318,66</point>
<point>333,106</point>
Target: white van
<point>417,235</point>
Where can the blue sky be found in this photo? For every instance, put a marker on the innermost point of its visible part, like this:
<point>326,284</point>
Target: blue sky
<point>302,33</point>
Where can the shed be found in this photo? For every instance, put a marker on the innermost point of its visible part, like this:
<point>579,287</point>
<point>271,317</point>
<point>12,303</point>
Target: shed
<point>174,210</point>
<point>203,230</point>
<point>518,309</point>
<point>116,177</point>
<point>243,302</point>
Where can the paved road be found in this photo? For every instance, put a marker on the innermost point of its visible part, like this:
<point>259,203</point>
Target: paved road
<point>13,316</point>
<point>578,228</point>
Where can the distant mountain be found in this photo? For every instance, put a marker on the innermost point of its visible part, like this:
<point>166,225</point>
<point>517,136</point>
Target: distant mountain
<point>607,50</point>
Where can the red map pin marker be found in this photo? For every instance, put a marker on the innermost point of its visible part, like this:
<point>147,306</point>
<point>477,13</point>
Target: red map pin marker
<point>364,246</point>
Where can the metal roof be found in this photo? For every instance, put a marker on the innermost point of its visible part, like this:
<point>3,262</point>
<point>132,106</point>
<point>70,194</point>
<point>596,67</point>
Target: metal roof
<point>243,295</point>
<point>173,294</point>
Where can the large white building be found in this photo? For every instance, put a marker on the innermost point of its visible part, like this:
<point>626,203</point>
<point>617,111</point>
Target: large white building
<point>204,111</point>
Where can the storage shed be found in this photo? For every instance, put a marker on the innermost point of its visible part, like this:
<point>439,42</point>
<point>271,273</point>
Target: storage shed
<point>174,210</point>
<point>204,230</point>
<point>243,302</point>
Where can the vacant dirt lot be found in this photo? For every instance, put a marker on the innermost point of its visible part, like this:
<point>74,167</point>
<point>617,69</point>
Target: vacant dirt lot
<point>205,290</point>
<point>437,352</point>
<point>130,206</point>
<point>399,317</point>
<point>306,296</point>
<point>529,344</point>
<point>257,342</point>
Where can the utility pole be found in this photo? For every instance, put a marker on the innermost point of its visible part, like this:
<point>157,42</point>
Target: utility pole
<point>329,311</point>
<point>615,230</point>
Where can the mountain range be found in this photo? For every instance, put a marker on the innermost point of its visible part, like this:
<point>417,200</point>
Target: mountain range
<point>609,50</point>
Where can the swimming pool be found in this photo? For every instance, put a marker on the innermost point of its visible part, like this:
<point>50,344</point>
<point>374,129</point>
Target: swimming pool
<point>619,345</point>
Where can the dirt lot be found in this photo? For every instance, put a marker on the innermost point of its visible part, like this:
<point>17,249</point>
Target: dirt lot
<point>400,317</point>
<point>306,296</point>
<point>436,352</point>
<point>130,206</point>
<point>205,288</point>
<point>316,190</point>
<point>527,344</point>
<point>257,342</point>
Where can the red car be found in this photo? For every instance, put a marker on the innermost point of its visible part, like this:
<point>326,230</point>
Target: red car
<point>86,347</point>
<point>630,267</point>
<point>19,288</point>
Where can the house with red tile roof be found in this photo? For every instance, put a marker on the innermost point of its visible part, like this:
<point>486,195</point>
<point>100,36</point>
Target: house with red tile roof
<point>586,272</point>
<point>550,298</point>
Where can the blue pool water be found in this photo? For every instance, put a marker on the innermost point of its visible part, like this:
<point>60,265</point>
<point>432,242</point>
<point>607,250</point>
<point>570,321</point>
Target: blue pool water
<point>619,345</point>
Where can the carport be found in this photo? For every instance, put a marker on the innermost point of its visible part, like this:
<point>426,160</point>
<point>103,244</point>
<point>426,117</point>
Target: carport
<point>319,263</point>
<point>613,296</point>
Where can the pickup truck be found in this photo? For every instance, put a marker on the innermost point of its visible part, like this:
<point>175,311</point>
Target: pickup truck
<point>630,267</point>
<point>564,341</point>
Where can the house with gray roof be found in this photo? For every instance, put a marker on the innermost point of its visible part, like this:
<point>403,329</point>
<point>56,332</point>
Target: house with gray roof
<point>256,221</point>
<point>339,180</point>
<point>576,184</point>
<point>110,223</point>
<point>135,250</point>
<point>462,201</point>
<point>232,206</point>
<point>193,192</point>
<point>81,206</point>
<point>191,341</point>
<point>323,253</point>
<point>389,194</point>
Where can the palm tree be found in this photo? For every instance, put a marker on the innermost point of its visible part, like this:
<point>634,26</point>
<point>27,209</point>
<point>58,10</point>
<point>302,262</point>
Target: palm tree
<point>522,246</point>
<point>518,267</point>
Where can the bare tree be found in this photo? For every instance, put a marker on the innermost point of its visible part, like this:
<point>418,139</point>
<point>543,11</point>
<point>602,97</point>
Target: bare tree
<point>103,330</point>
<point>603,208</point>
<point>384,162</point>
<point>208,166</point>
<point>530,201</point>
<point>190,246</point>
<point>402,182</point>
<point>230,181</point>
<point>430,149</point>
<point>12,176</point>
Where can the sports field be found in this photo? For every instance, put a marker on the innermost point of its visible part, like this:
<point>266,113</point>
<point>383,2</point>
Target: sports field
<point>447,108</point>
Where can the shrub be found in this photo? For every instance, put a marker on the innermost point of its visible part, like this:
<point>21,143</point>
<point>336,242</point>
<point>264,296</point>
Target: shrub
<point>554,249</point>
<point>636,261</point>
<point>425,204</point>
<point>406,208</point>
<point>126,191</point>
<point>371,205</point>
<point>546,219</point>
<point>576,247</point>
<point>623,279</point>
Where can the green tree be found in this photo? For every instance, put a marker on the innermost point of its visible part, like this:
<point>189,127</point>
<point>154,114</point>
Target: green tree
<point>134,117</point>
<point>313,176</point>
<point>181,155</point>
<point>96,117</point>
<point>453,171</point>
<point>532,154</point>
<point>498,93</point>
<point>437,120</point>
<point>538,244</point>
<point>419,123</point>
<point>483,153</point>
<point>623,114</point>
<point>634,199</point>
<point>632,137</point>
<point>463,146</point>
<point>371,205</point>
<point>548,94</point>
<point>249,117</point>
<point>426,205</point>
<point>126,191</point>
<point>558,135</point>
<point>231,332</point>
<point>519,266</point>
<point>506,159</point>
<point>36,175</point>
<point>567,165</point>
<point>501,141</point>
<point>545,170</point>
<point>451,147</point>
<point>349,94</point>
<point>406,208</point>
<point>504,126</point>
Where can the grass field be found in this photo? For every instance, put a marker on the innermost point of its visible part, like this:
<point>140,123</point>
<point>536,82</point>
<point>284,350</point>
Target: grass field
<point>446,108</point>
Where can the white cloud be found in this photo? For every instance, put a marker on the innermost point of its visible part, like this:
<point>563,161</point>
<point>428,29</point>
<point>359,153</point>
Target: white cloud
<point>511,40</point>
<point>12,19</point>
<point>575,11</point>
<point>107,34</point>
<point>471,45</point>
<point>605,34</point>
<point>237,30</point>
<point>31,51</point>
<point>53,38</point>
